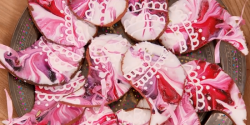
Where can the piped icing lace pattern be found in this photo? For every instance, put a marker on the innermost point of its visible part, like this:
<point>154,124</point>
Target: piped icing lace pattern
<point>147,69</point>
<point>90,12</point>
<point>57,97</point>
<point>196,83</point>
<point>66,87</point>
<point>137,7</point>
<point>66,52</point>
<point>52,56</point>
<point>189,29</point>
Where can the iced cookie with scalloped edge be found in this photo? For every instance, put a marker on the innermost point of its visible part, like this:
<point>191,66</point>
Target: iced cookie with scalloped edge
<point>136,116</point>
<point>145,20</point>
<point>210,89</point>
<point>58,24</point>
<point>184,114</point>
<point>99,12</point>
<point>98,116</point>
<point>48,110</point>
<point>158,75</point>
<point>194,23</point>
<point>106,82</point>
<point>43,63</point>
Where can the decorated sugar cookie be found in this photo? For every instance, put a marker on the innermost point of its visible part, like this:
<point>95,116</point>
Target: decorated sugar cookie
<point>136,116</point>
<point>99,12</point>
<point>194,23</point>
<point>47,108</point>
<point>184,114</point>
<point>145,20</point>
<point>157,74</point>
<point>98,116</point>
<point>210,88</point>
<point>58,24</point>
<point>43,63</point>
<point>106,82</point>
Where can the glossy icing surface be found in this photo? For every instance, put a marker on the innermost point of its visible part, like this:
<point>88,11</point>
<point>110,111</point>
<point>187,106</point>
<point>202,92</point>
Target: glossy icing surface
<point>98,116</point>
<point>58,24</point>
<point>105,80</point>
<point>209,88</point>
<point>136,116</point>
<point>194,23</point>
<point>47,109</point>
<point>145,19</point>
<point>99,12</point>
<point>184,114</point>
<point>157,74</point>
<point>43,63</point>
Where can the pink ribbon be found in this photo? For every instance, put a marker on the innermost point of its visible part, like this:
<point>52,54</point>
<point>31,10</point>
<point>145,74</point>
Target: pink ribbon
<point>227,26</point>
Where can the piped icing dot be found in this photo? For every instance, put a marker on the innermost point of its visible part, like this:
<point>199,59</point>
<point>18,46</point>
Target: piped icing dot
<point>195,21</point>
<point>157,76</point>
<point>198,67</point>
<point>151,83</point>
<point>61,35</point>
<point>145,88</point>
<point>61,11</point>
<point>46,60</point>
<point>207,87</point>
<point>36,47</point>
<point>108,118</point>
<point>38,102</point>
<point>46,104</point>
<point>58,106</point>
<point>203,77</point>
<point>63,1</point>
<point>209,108</point>
<point>41,53</point>
<point>203,38</point>
<point>200,30</point>
<point>103,66</point>
<point>209,98</point>
<point>68,105</point>
<point>96,67</point>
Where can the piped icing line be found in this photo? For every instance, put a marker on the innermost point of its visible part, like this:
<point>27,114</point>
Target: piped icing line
<point>217,91</point>
<point>192,25</point>
<point>145,20</point>
<point>135,116</point>
<point>43,63</point>
<point>92,116</point>
<point>49,110</point>
<point>185,113</point>
<point>100,13</point>
<point>57,23</point>
<point>106,82</point>
<point>161,87</point>
<point>57,93</point>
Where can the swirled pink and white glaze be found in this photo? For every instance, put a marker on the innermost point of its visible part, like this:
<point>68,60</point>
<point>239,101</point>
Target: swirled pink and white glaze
<point>136,116</point>
<point>99,12</point>
<point>43,63</point>
<point>105,80</point>
<point>98,116</point>
<point>209,88</point>
<point>194,23</point>
<point>47,109</point>
<point>145,19</point>
<point>58,24</point>
<point>184,114</point>
<point>157,74</point>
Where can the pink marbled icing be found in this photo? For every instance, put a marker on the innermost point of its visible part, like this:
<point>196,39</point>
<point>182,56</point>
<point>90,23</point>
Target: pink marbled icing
<point>145,19</point>
<point>43,63</point>
<point>105,80</point>
<point>58,24</point>
<point>99,12</point>
<point>210,88</point>
<point>194,23</point>
<point>48,110</point>
<point>184,114</point>
<point>98,116</point>
<point>157,74</point>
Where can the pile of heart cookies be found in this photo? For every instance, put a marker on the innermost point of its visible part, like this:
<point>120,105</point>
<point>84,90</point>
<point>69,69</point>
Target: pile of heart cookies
<point>173,92</point>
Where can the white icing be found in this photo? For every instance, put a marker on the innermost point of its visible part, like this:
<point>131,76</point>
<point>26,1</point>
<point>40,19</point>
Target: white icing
<point>114,8</point>
<point>135,117</point>
<point>138,26</point>
<point>143,104</point>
